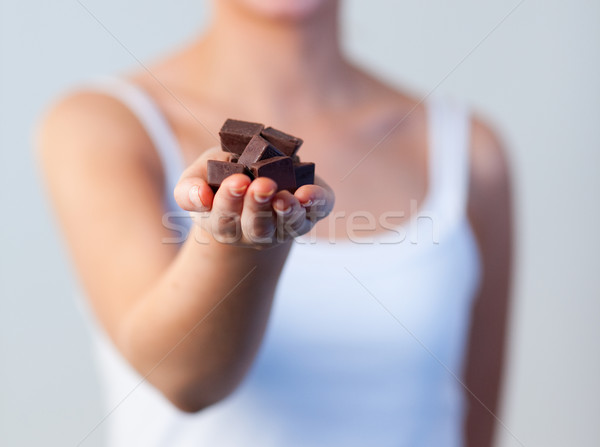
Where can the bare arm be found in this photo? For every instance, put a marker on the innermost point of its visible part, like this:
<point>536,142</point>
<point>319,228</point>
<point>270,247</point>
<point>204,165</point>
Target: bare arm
<point>490,212</point>
<point>105,182</point>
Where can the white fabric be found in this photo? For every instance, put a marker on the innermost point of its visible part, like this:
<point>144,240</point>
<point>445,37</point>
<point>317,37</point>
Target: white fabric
<point>156,126</point>
<point>366,342</point>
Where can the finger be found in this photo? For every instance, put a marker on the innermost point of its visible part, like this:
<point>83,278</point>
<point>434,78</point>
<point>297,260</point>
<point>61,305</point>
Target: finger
<point>193,194</point>
<point>318,200</point>
<point>258,220</point>
<point>291,216</point>
<point>227,207</point>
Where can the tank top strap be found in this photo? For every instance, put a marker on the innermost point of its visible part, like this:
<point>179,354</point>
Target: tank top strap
<point>449,142</point>
<point>145,109</point>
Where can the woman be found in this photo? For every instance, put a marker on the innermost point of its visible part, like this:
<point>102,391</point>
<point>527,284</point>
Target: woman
<point>383,329</point>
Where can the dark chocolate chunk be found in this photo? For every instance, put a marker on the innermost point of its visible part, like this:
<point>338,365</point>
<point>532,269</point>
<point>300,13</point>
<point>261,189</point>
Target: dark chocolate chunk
<point>258,149</point>
<point>304,173</point>
<point>235,135</point>
<point>217,171</point>
<point>287,144</point>
<point>279,169</point>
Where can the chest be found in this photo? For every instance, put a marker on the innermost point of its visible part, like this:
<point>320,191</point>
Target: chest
<point>375,319</point>
<point>365,288</point>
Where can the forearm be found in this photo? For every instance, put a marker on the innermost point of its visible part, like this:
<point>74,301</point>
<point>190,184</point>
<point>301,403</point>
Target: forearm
<point>196,330</point>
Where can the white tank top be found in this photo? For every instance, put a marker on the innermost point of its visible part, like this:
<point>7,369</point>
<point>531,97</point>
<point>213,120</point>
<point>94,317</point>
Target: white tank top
<point>366,342</point>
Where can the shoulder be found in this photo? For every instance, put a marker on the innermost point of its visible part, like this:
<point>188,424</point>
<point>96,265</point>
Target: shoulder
<point>490,209</point>
<point>490,176</point>
<point>90,126</point>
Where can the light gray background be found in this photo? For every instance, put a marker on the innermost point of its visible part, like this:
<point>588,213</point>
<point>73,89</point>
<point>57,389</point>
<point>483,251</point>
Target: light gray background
<point>536,76</point>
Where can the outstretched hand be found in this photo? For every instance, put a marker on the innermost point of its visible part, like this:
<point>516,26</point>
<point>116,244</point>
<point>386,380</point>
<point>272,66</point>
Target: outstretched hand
<point>247,212</point>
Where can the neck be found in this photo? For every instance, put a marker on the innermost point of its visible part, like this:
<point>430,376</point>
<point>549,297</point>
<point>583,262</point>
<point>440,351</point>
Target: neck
<point>272,63</point>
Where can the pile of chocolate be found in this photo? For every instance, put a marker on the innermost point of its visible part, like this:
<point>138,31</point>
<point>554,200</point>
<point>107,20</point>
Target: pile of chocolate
<point>260,152</point>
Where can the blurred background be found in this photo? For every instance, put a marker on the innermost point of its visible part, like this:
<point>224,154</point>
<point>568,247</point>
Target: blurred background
<point>534,71</point>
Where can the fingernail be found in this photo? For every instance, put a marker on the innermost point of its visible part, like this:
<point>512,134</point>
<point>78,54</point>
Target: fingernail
<point>284,211</point>
<point>263,197</point>
<point>238,192</point>
<point>307,203</point>
<point>195,197</point>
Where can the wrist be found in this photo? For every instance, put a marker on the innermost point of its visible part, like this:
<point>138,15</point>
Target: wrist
<point>210,249</point>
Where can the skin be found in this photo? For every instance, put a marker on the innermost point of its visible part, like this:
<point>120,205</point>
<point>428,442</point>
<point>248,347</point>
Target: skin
<point>283,58</point>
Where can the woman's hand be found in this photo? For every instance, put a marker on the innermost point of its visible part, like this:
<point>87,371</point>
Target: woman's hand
<point>250,213</point>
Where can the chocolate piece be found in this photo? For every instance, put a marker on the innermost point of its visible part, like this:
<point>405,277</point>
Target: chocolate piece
<point>235,135</point>
<point>217,171</point>
<point>279,169</point>
<point>285,143</point>
<point>258,149</point>
<point>304,173</point>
